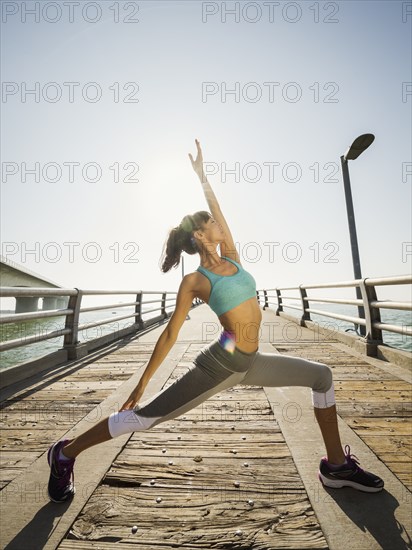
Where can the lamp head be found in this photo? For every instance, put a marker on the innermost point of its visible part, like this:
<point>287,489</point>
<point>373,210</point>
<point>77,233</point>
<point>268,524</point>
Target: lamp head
<point>358,146</point>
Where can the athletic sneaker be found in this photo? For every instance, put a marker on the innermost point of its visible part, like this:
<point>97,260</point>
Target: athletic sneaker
<point>349,474</point>
<point>61,486</point>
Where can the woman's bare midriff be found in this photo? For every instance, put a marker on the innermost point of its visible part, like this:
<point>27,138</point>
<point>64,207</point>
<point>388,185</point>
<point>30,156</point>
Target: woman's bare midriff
<point>243,322</point>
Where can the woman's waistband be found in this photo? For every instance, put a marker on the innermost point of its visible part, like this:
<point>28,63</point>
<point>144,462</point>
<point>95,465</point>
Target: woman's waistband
<point>224,351</point>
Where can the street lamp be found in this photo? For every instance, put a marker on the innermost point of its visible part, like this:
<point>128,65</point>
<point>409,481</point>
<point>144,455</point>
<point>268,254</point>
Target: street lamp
<point>358,146</point>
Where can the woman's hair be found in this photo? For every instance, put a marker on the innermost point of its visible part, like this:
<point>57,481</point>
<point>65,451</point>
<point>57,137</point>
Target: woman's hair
<point>181,238</point>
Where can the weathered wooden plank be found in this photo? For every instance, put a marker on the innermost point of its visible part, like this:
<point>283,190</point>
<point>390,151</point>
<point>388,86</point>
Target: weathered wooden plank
<point>361,373</point>
<point>199,519</point>
<point>389,443</point>
<point>45,409</point>
<point>13,463</point>
<point>48,394</point>
<point>71,385</point>
<point>376,409</point>
<point>228,438</point>
<point>169,449</point>
<point>30,440</point>
<point>207,426</point>
<point>93,375</point>
<point>35,419</point>
<point>226,416</point>
<point>380,426</point>
<point>372,396</point>
<point>374,385</point>
<point>211,472</point>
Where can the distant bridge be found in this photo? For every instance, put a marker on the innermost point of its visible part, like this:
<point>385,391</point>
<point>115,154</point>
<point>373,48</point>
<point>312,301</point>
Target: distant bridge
<point>13,274</point>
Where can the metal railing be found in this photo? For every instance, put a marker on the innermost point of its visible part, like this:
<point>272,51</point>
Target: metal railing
<point>370,303</point>
<point>72,344</point>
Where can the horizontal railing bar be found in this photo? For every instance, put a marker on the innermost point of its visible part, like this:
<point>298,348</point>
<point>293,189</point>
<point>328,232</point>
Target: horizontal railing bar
<point>405,330</point>
<point>109,306</point>
<point>103,292</point>
<point>341,284</point>
<point>285,288</point>
<point>159,300</point>
<point>388,304</point>
<point>106,321</point>
<point>25,341</point>
<point>399,280</point>
<point>13,291</point>
<point>334,301</point>
<point>151,310</point>
<point>292,307</point>
<point>289,297</point>
<point>338,284</point>
<point>355,320</point>
<point>33,315</point>
<point>395,280</point>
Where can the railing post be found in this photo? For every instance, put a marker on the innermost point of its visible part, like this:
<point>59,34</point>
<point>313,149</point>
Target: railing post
<point>163,306</point>
<point>71,342</point>
<point>265,293</point>
<point>138,321</point>
<point>279,297</point>
<point>305,304</point>
<point>373,335</point>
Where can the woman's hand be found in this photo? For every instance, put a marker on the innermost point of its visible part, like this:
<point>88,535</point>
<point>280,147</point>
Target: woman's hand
<point>198,163</point>
<point>133,399</point>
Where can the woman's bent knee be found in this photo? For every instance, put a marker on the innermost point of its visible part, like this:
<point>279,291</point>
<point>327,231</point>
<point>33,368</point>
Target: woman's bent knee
<point>323,393</point>
<point>325,379</point>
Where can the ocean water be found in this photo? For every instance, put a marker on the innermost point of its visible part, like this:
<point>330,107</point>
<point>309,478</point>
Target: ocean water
<point>28,328</point>
<point>40,327</point>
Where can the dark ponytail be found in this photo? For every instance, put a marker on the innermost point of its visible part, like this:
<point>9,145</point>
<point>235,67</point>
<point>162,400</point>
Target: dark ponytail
<point>181,238</point>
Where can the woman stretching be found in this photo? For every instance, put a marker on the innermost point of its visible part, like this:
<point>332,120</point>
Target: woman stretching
<point>231,359</point>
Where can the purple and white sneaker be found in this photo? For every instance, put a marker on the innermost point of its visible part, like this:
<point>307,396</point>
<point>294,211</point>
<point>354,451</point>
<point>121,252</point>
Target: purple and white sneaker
<point>349,475</point>
<point>61,486</point>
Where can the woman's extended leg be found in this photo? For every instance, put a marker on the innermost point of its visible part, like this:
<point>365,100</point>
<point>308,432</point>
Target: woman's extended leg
<point>198,384</point>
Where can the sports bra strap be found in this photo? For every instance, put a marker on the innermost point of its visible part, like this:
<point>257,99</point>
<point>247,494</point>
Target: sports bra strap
<point>232,261</point>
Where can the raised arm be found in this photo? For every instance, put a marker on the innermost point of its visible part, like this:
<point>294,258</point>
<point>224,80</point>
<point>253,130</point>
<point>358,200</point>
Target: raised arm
<point>227,248</point>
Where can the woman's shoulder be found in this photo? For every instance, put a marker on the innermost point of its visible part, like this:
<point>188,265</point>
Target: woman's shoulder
<point>196,284</point>
<point>192,280</point>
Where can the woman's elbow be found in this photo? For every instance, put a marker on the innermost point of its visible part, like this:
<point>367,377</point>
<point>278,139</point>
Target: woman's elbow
<point>171,333</point>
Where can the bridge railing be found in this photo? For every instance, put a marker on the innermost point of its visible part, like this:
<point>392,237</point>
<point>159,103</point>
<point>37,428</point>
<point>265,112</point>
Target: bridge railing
<point>144,302</point>
<point>369,304</point>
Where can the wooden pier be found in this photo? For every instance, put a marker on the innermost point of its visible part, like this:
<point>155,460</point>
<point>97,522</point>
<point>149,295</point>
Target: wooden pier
<point>239,471</point>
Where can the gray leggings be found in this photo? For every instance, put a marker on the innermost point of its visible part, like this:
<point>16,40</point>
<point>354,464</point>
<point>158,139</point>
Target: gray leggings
<point>216,369</point>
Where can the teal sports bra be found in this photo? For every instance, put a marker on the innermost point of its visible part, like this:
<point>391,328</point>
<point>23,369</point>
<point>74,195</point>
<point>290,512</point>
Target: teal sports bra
<point>228,291</point>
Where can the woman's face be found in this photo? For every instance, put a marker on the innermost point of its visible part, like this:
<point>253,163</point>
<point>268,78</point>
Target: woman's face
<point>213,231</point>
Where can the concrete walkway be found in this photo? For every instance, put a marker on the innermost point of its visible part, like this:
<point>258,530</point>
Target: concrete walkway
<point>348,519</point>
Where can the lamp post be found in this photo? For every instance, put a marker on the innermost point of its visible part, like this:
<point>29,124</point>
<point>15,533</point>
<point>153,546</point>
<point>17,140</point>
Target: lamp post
<point>358,146</point>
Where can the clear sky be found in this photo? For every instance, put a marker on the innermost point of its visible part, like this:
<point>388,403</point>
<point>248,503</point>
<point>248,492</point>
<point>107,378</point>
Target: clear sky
<point>275,91</point>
